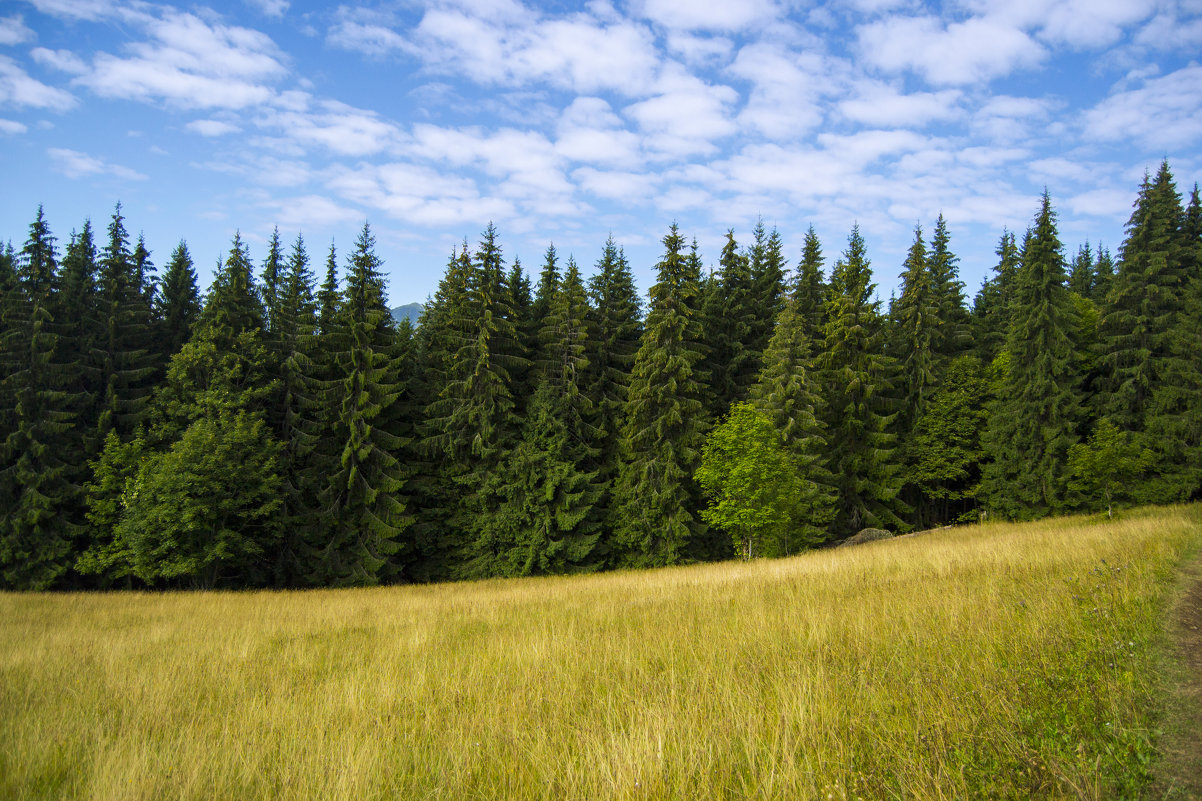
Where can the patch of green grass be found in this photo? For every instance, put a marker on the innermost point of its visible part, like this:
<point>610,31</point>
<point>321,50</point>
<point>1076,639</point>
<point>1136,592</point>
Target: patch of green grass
<point>986,661</point>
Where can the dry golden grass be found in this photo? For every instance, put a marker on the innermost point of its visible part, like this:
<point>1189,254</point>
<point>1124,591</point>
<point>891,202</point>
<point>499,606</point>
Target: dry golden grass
<point>988,661</point>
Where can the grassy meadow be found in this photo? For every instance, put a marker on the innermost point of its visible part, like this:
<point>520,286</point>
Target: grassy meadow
<point>1001,661</point>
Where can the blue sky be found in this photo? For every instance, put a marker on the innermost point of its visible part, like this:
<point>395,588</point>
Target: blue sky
<point>565,122</point>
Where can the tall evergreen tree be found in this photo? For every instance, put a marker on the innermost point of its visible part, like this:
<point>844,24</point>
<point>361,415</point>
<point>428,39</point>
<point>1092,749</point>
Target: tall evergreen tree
<point>787,394</point>
<point>273,279</point>
<point>1144,304</point>
<point>728,328</point>
<point>36,537</point>
<point>952,336</point>
<point>1081,274</point>
<point>179,302</point>
<point>663,432</point>
<point>1033,423</point>
<point>364,494</point>
<point>616,310</point>
<point>766,271</point>
<point>809,289</point>
<point>991,309</point>
<point>857,381</point>
<point>917,328</point>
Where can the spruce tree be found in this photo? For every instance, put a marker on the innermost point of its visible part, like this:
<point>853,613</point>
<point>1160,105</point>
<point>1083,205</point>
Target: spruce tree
<point>991,308</point>
<point>857,382</point>
<point>808,288</point>
<point>126,361</point>
<point>728,327</point>
<point>787,394</point>
<point>1081,274</point>
<point>952,336</point>
<point>1033,423</point>
<point>179,302</point>
<point>766,272</point>
<point>917,328</point>
<point>616,310</point>
<point>37,538</point>
<point>363,496</point>
<point>1144,304</point>
<point>656,501</point>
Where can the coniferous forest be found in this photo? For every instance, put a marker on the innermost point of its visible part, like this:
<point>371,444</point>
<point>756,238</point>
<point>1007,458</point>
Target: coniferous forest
<point>283,430</point>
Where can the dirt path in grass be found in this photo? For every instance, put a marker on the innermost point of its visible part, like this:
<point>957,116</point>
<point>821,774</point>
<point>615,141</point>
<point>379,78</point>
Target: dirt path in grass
<point>1181,772</point>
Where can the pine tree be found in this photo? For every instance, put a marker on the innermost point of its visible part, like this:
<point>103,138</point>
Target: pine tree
<point>857,381</point>
<point>1103,277</point>
<point>729,320</point>
<point>656,500</point>
<point>1081,274</point>
<point>36,536</point>
<point>952,336</point>
<point>991,308</point>
<point>179,302</point>
<point>1145,301</point>
<point>616,310</point>
<point>364,494</point>
<point>917,328</point>
<point>549,486</point>
<point>766,267</point>
<point>787,394</point>
<point>127,363</point>
<point>273,278</point>
<point>808,288</point>
<point>1033,423</point>
<point>1174,419</point>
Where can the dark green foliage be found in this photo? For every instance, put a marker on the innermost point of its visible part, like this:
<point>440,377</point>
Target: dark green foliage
<point>547,515</point>
<point>944,451</point>
<point>1081,276</point>
<point>787,395</point>
<point>273,279</point>
<point>809,289</point>
<point>1145,299</point>
<point>728,327</point>
<point>196,522</point>
<point>991,309</point>
<point>856,377</point>
<point>36,482</point>
<point>917,326</point>
<point>179,302</point>
<point>952,336</point>
<point>766,263</point>
<point>663,430</point>
<point>1034,421</point>
<point>126,359</point>
<point>363,497</point>
<point>616,312</point>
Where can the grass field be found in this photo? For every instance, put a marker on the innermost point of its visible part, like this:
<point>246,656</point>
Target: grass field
<point>989,661</point>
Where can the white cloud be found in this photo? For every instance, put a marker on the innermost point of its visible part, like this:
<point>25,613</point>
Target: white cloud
<point>589,131</point>
<point>13,30</point>
<point>616,185</point>
<point>18,89</point>
<point>419,195</point>
<point>340,128</point>
<point>700,50</point>
<point>74,164</point>
<point>75,9</point>
<point>1165,112</point>
<point>1078,23</point>
<point>12,128</point>
<point>1003,118</point>
<point>1112,204</point>
<point>877,103</point>
<point>270,8</point>
<point>576,52</point>
<point>686,115</point>
<point>311,210</point>
<point>61,60</point>
<point>1168,31</point>
<point>211,128</point>
<point>191,64</point>
<point>366,37</point>
<point>786,90</point>
<point>712,15</point>
<point>976,50</point>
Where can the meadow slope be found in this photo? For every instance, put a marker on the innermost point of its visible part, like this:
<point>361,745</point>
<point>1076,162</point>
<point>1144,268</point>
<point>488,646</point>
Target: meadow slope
<point>1007,661</point>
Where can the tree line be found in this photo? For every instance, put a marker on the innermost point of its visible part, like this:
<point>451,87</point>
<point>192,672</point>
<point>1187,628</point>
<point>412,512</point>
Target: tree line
<point>289,433</point>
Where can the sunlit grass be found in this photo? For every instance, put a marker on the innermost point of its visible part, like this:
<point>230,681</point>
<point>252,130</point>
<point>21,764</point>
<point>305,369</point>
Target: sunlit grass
<point>987,661</point>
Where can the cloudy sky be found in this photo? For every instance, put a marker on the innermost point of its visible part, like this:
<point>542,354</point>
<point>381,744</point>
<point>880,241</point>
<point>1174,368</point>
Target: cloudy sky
<point>565,122</point>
